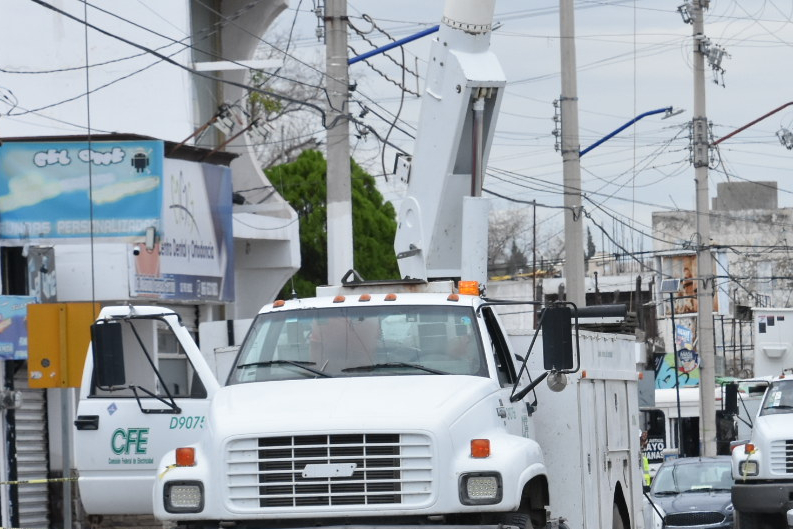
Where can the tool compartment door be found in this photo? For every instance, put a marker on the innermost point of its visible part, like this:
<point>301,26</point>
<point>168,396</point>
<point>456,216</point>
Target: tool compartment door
<point>122,433</point>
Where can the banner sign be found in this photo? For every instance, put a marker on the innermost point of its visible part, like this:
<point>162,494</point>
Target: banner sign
<point>55,191</point>
<point>687,369</point>
<point>192,260</point>
<point>13,327</point>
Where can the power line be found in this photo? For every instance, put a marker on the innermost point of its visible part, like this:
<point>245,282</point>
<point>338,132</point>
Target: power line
<point>164,58</point>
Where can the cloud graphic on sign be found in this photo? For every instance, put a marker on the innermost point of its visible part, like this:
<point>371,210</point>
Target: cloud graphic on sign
<point>125,188</point>
<point>34,188</point>
<point>28,191</point>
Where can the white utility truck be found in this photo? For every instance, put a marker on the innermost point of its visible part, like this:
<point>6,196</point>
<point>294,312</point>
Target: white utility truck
<point>397,404</point>
<point>763,465</point>
<point>376,406</point>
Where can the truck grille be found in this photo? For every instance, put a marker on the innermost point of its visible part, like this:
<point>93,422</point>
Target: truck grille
<point>685,519</point>
<point>781,457</point>
<point>389,469</point>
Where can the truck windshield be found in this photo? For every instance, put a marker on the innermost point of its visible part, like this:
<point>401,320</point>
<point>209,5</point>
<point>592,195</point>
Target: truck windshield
<point>361,341</point>
<point>778,398</point>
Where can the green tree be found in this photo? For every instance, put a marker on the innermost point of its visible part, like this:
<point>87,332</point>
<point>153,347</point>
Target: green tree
<point>590,245</point>
<point>303,184</point>
<point>517,260</point>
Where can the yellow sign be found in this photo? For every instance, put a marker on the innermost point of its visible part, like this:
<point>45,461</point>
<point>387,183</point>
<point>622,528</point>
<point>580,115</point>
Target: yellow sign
<point>58,338</point>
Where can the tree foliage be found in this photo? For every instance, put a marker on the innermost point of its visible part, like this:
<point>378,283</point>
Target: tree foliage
<point>511,241</point>
<point>590,245</point>
<point>287,127</point>
<point>303,184</point>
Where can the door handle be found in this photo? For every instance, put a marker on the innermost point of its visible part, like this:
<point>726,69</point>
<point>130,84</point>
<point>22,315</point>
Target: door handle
<point>87,422</point>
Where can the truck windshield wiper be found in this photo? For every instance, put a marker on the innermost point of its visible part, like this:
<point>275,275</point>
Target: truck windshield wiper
<point>387,365</point>
<point>302,365</point>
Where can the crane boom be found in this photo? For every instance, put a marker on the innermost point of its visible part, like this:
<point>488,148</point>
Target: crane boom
<point>442,221</point>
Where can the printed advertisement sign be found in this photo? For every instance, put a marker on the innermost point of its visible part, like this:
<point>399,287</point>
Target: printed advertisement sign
<point>13,327</point>
<point>192,258</point>
<point>687,361</point>
<point>57,191</point>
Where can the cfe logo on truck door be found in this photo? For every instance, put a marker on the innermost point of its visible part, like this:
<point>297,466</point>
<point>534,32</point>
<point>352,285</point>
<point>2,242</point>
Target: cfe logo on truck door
<point>125,441</point>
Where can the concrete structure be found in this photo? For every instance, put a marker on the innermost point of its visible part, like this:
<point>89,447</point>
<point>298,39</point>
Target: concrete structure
<point>147,77</point>
<point>752,265</point>
<point>754,239</point>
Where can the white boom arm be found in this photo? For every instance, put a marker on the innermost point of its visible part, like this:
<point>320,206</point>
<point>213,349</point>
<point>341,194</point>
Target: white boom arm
<point>437,237</point>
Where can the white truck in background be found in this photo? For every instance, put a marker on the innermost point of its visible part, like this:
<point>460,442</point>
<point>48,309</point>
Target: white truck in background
<point>762,465</point>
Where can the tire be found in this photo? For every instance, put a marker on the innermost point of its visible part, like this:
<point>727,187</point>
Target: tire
<point>518,519</point>
<point>616,518</point>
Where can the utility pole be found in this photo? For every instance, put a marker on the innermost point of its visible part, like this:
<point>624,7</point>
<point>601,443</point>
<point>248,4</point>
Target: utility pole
<point>339,194</point>
<point>571,162</point>
<point>705,283</point>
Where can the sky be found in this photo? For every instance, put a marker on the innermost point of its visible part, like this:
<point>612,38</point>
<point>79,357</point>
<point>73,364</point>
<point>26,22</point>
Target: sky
<point>633,56</point>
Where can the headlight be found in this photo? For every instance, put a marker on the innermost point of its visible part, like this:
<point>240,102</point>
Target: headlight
<point>748,468</point>
<point>481,488</point>
<point>183,496</point>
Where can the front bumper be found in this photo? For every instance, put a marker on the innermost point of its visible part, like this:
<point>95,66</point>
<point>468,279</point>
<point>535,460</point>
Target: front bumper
<point>763,497</point>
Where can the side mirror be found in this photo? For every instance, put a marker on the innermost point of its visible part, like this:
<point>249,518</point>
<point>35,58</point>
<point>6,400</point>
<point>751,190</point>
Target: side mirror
<point>108,353</point>
<point>557,339</point>
<point>731,398</point>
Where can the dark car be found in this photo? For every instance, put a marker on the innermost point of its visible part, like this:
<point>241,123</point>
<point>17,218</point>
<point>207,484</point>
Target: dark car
<point>694,492</point>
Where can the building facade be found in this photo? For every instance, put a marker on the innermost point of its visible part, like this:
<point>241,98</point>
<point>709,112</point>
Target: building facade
<point>127,175</point>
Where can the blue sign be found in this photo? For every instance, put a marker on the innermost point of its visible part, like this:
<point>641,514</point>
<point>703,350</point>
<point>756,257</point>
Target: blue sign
<point>13,327</point>
<point>66,190</point>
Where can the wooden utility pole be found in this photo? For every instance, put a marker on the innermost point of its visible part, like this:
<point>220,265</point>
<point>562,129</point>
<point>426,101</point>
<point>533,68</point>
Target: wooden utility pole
<point>571,163</point>
<point>339,197</point>
<point>705,282</point>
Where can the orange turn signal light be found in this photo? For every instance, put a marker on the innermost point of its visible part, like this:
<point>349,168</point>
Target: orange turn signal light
<point>338,299</point>
<point>278,303</point>
<point>469,288</point>
<point>185,457</point>
<point>390,297</point>
<point>453,297</point>
<point>480,448</point>
<point>365,297</point>
<point>749,448</point>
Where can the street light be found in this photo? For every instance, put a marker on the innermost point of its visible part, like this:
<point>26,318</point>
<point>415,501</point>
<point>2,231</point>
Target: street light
<point>668,113</point>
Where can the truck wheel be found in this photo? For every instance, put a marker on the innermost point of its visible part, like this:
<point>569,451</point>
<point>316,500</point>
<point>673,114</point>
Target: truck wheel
<point>616,518</point>
<point>518,519</point>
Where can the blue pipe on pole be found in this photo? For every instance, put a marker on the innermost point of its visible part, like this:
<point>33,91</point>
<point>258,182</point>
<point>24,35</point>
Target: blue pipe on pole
<point>625,126</point>
<point>394,44</point>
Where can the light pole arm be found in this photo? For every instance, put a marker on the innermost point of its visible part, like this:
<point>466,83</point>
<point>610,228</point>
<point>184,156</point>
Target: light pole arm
<point>758,120</point>
<point>392,45</point>
<point>625,126</point>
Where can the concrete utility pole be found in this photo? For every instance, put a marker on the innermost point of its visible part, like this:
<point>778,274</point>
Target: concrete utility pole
<point>571,162</point>
<point>705,283</point>
<point>339,198</point>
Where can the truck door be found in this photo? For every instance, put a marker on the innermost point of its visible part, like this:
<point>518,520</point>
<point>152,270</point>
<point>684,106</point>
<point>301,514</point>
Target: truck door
<point>514,414</point>
<point>158,401</point>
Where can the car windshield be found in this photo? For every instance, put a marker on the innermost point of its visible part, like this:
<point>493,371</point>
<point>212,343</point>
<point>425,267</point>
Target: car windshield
<point>702,475</point>
<point>778,398</point>
<point>361,341</point>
